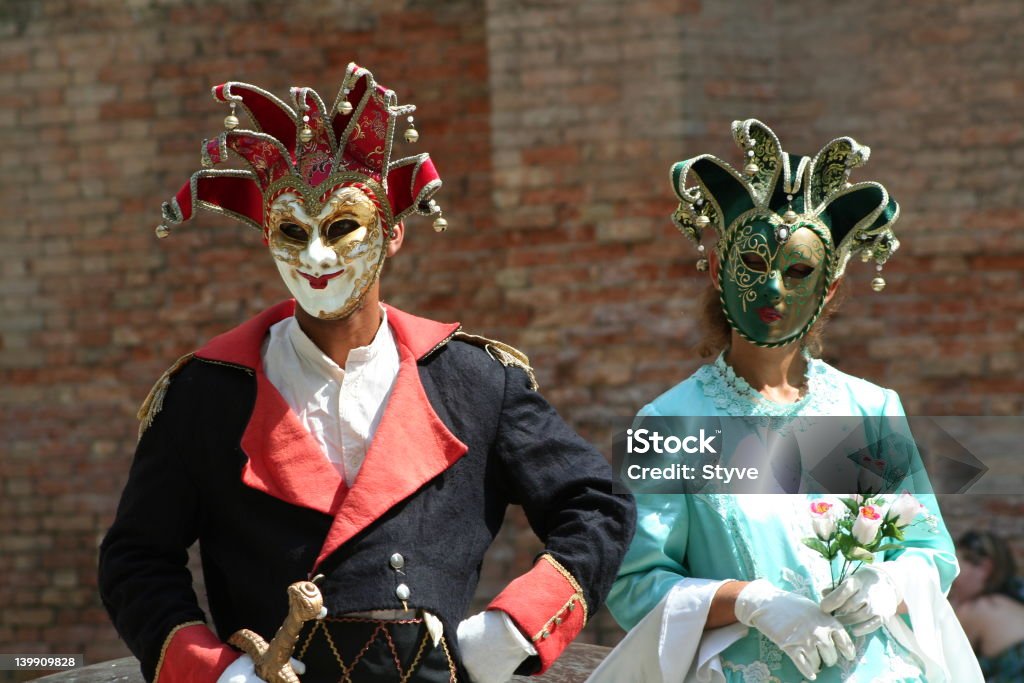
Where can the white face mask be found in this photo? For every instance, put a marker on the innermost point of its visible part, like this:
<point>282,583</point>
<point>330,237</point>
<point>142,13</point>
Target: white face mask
<point>328,261</point>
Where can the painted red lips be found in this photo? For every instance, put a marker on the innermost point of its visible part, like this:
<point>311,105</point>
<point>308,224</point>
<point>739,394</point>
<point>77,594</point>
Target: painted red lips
<point>320,282</point>
<point>769,315</point>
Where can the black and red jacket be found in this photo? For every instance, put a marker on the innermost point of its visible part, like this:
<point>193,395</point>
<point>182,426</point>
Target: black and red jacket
<point>225,461</point>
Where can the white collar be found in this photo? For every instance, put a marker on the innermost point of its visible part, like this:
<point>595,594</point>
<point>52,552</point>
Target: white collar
<point>309,352</point>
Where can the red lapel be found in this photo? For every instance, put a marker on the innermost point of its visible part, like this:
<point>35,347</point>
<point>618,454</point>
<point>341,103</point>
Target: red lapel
<point>285,461</point>
<point>241,345</point>
<point>284,458</point>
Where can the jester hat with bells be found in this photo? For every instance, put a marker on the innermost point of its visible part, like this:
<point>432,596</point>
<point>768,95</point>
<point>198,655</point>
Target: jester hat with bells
<point>308,160</point>
<point>786,226</point>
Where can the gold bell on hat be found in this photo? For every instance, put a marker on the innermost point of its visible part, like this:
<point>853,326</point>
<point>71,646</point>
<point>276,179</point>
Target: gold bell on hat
<point>702,263</point>
<point>345,107</point>
<point>789,217</point>
<point>878,284</point>
<point>411,134</point>
<point>702,221</point>
<point>162,231</point>
<point>751,168</point>
<point>231,121</point>
<point>440,224</point>
<point>306,134</point>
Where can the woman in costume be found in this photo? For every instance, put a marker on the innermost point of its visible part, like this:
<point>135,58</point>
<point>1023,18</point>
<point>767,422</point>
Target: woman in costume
<point>988,597</point>
<point>720,587</point>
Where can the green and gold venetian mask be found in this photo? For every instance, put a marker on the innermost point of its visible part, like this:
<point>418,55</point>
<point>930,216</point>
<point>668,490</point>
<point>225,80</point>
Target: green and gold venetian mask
<point>786,226</point>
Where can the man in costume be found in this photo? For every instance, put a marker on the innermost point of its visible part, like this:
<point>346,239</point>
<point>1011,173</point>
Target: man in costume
<point>719,587</point>
<point>336,439</point>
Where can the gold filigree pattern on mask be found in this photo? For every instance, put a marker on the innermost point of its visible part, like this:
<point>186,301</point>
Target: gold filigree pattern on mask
<point>314,198</point>
<point>747,279</point>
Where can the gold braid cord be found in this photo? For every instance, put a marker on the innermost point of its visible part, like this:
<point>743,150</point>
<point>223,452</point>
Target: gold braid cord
<point>570,604</point>
<point>380,631</point>
<point>155,399</point>
<point>501,352</point>
<point>273,661</point>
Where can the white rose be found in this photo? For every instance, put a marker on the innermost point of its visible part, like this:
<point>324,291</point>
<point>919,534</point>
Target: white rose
<point>865,529</point>
<point>904,509</point>
<point>824,514</point>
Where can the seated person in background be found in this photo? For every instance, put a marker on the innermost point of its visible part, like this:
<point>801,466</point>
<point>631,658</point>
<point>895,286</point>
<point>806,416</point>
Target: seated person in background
<point>988,597</point>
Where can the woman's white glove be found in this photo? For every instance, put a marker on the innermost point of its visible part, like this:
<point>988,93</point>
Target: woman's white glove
<point>808,636</point>
<point>243,670</point>
<point>864,600</point>
<point>491,646</point>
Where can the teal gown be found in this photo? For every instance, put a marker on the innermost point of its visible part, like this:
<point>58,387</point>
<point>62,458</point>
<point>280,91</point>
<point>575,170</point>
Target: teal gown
<point>686,545</point>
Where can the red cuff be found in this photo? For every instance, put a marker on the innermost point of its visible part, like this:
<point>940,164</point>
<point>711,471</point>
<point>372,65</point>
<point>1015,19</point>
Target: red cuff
<point>547,605</point>
<point>193,653</point>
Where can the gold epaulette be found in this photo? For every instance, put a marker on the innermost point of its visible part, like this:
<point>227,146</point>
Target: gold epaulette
<point>155,399</point>
<point>501,352</point>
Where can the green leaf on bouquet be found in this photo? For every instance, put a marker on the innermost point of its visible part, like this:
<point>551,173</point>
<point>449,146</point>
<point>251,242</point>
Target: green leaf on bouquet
<point>858,554</point>
<point>844,542</point>
<point>819,547</point>
<point>851,505</point>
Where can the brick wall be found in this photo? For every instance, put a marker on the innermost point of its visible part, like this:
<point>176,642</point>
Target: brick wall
<point>553,125</point>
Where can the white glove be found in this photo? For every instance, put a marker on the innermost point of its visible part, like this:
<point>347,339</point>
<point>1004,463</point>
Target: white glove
<point>243,670</point>
<point>808,636</point>
<point>492,647</point>
<point>864,600</point>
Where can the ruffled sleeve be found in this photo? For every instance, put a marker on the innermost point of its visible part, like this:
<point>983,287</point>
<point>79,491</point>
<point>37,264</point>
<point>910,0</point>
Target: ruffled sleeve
<point>663,608</point>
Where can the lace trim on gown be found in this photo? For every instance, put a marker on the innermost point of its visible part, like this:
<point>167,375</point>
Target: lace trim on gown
<point>734,396</point>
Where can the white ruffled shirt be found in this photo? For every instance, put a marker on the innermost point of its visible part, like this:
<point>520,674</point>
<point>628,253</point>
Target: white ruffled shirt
<point>340,407</point>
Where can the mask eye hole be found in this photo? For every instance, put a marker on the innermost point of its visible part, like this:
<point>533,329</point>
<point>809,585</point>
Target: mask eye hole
<point>799,271</point>
<point>338,229</point>
<point>293,231</point>
<point>755,262</point>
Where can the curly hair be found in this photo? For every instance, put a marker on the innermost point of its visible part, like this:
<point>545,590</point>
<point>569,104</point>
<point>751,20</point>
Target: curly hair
<point>717,333</point>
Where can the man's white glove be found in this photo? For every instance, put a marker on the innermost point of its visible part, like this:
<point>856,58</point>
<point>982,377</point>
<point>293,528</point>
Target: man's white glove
<point>492,647</point>
<point>864,600</point>
<point>808,636</point>
<point>243,670</point>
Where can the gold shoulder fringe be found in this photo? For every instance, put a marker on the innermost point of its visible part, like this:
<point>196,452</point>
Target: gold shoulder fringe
<point>501,352</point>
<point>155,400</point>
